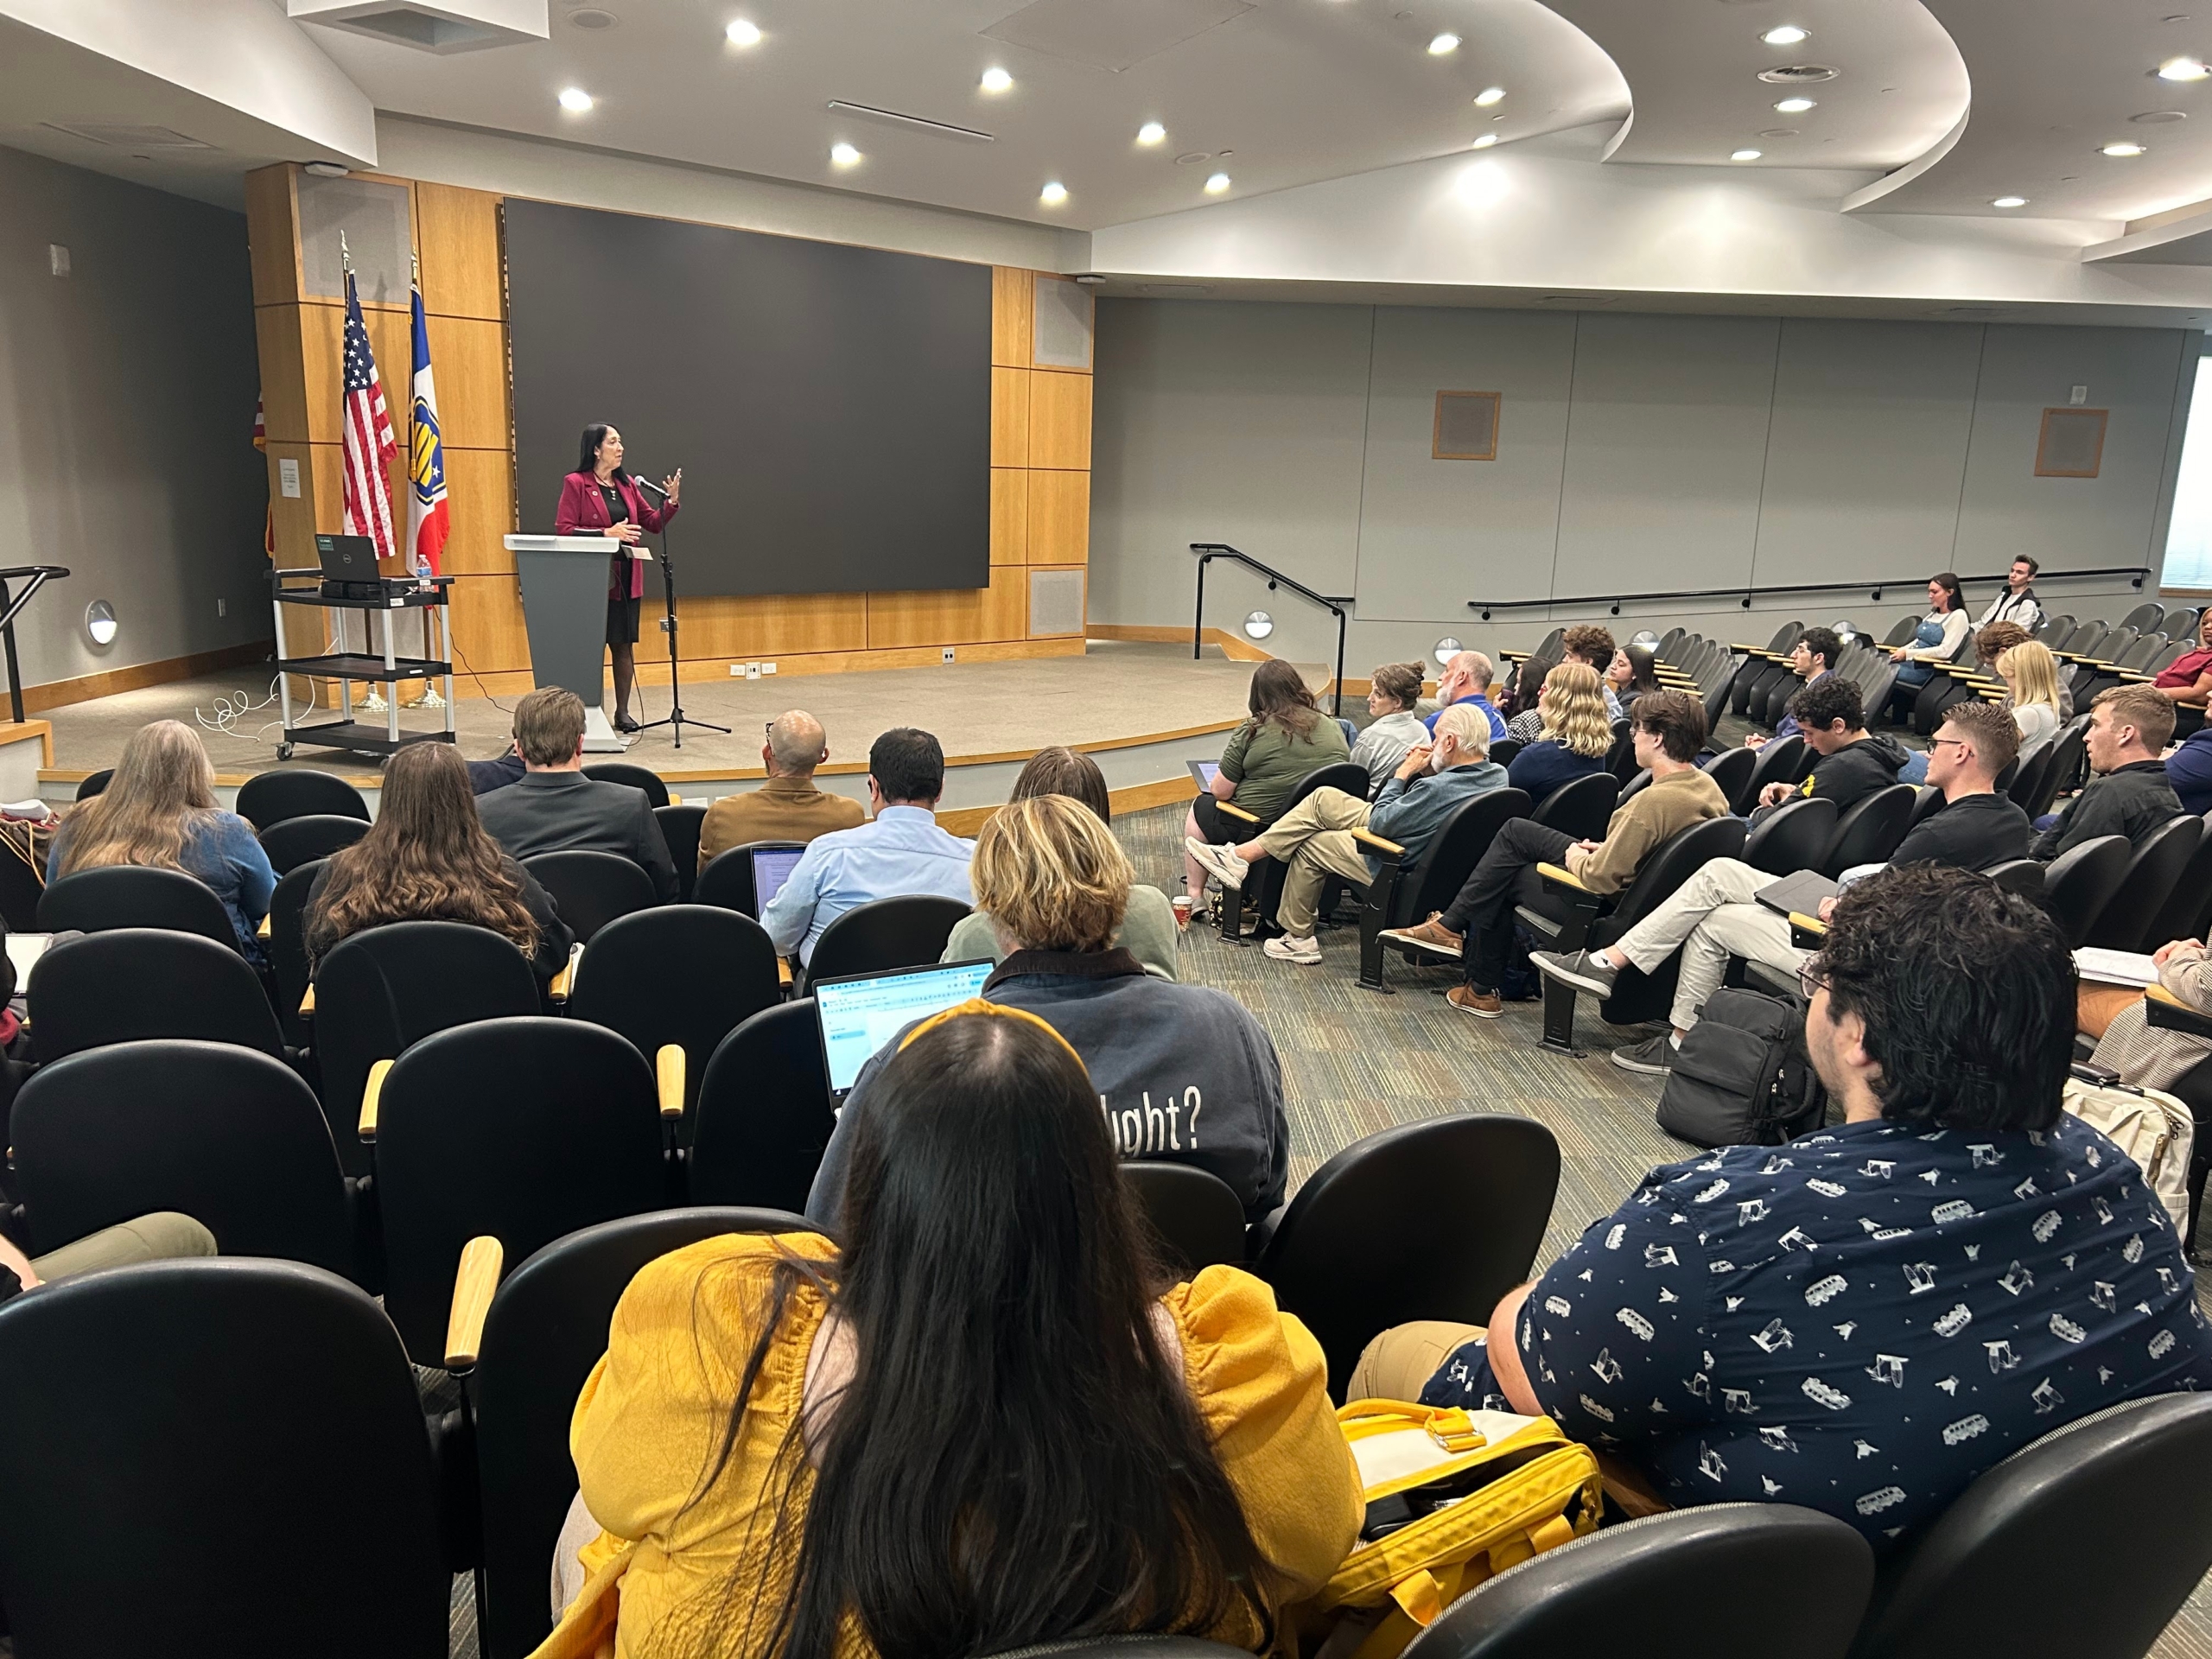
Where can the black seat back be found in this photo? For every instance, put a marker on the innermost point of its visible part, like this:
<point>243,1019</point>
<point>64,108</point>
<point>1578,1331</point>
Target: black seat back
<point>1453,852</point>
<point>94,782</point>
<point>1267,890</point>
<point>2028,773</point>
<point>1433,1220</point>
<point>1620,758</point>
<point>2020,875</point>
<point>132,982</point>
<point>2065,751</point>
<point>269,798</point>
<point>524,1129</point>
<point>228,1137</point>
<point>1870,829</point>
<point>683,974</point>
<point>906,931</point>
<point>23,882</point>
<point>2075,1495</point>
<point>169,1411</point>
<point>727,879</point>
<point>2080,882</point>
<point>2154,870</point>
<point>763,1112</point>
<point>383,988</point>
<point>631,776</point>
<point>291,843</point>
<point>679,827</point>
<point>1792,837</point>
<point>288,949</point>
<point>546,1330</point>
<point>1720,1580</point>
<point>2189,906</point>
<point>2145,616</point>
<point>1927,802</point>
<point>1782,761</point>
<point>590,889</point>
<point>1731,769</point>
<point>1581,809</point>
<point>1197,1220</point>
<point>1672,863</point>
<point>131,895</point>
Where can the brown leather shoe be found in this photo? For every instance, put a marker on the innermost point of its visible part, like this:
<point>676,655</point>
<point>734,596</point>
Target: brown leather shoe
<point>1484,1005</point>
<point>1431,935</point>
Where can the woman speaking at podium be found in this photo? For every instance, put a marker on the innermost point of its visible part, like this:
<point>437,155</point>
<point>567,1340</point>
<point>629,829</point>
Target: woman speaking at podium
<point>600,498</point>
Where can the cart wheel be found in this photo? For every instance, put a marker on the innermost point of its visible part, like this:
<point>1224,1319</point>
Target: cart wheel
<point>283,751</point>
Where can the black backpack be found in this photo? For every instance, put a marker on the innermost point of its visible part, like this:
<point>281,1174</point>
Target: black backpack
<point>1741,1076</point>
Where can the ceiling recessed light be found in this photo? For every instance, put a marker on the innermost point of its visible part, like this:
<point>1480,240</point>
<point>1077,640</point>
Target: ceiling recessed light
<point>844,155</point>
<point>1053,194</point>
<point>1442,44</point>
<point>2120,151</point>
<point>1485,140</point>
<point>743,32</point>
<point>2183,69</point>
<point>1786,34</point>
<point>1743,155</point>
<point>1217,184</point>
<point>1151,133</point>
<point>996,80</point>
<point>1487,96</point>
<point>574,99</point>
<point>2010,201</point>
<point>1795,105</point>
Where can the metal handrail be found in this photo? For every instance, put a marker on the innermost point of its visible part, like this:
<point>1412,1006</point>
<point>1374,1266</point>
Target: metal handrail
<point>1209,551</point>
<point>10,608</point>
<point>1873,589</point>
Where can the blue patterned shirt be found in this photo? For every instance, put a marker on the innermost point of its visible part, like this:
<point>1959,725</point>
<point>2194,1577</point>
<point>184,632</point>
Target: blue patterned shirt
<point>1861,1321</point>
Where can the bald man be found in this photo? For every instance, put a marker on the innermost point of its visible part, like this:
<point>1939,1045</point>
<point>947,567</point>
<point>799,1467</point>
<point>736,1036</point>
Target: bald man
<point>788,807</point>
<point>1467,679</point>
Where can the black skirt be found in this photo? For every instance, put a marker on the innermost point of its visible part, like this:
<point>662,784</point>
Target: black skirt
<point>622,620</point>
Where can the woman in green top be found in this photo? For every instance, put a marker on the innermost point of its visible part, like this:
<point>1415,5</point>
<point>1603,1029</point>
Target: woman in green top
<point>1286,737</point>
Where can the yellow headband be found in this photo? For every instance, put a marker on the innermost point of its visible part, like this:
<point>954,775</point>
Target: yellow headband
<point>977,1005</point>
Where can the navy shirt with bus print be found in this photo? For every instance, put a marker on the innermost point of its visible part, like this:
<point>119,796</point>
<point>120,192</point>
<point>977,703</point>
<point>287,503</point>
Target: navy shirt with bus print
<point>1861,1321</point>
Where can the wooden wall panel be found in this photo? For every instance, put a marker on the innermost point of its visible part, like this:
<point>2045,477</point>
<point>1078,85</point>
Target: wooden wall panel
<point>751,627</point>
<point>1012,317</point>
<point>953,617</point>
<point>283,372</point>
<point>1059,518</point>
<point>272,219</point>
<point>322,335</point>
<point>1059,419</point>
<point>1009,515</point>
<point>1010,417</point>
<point>457,238</point>
<point>469,358</point>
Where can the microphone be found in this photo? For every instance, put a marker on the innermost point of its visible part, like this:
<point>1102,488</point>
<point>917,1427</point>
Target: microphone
<point>645,483</point>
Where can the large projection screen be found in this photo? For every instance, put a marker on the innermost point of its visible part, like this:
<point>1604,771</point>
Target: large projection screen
<point>830,406</point>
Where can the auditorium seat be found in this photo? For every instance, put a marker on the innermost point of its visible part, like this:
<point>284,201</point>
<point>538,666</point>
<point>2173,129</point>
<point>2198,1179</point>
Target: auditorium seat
<point>763,1112</point>
<point>1620,758</point>
<point>727,879</point>
<point>284,938</point>
<point>1718,1580</point>
<point>676,980</point>
<point>228,1137</point>
<point>1400,896</point>
<point>269,798</point>
<point>131,895</point>
<point>2188,908</point>
<point>591,889</point>
<point>2080,882</point>
<point>1263,888</point>
<point>679,827</point>
<point>133,983</point>
<point>2153,869</point>
<point>1784,761</point>
<point>2067,753</point>
<point>291,843</point>
<point>1792,837</point>
<point>22,883</point>
<point>1433,1220</point>
<point>2022,876</point>
<point>1197,1219</point>
<point>1581,809</point>
<point>1869,830</point>
<point>631,776</point>
<point>94,782</point>
<point>213,1459</point>
<point>1731,770</point>
<point>906,931</point>
<point>527,1354</point>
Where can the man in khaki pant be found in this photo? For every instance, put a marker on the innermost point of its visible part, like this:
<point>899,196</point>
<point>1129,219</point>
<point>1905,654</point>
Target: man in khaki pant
<point>1315,839</point>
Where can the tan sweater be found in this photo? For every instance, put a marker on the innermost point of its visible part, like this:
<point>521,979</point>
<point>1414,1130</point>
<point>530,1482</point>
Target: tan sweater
<point>1670,805</point>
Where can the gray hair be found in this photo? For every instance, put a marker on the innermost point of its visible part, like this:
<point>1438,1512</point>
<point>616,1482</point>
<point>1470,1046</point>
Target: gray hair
<point>795,743</point>
<point>1470,725</point>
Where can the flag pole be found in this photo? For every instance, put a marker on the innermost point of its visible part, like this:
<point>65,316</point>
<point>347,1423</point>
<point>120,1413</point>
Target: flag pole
<point>429,698</point>
<point>373,702</point>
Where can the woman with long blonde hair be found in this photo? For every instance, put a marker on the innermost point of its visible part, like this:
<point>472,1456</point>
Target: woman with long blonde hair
<point>159,810</point>
<point>1576,736</point>
<point>2031,674</point>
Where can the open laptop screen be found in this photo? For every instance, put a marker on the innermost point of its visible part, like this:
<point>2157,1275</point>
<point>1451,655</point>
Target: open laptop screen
<point>771,867</point>
<point>861,1012</point>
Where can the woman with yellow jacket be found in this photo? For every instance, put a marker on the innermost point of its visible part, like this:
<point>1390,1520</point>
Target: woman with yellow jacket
<point>981,1424</point>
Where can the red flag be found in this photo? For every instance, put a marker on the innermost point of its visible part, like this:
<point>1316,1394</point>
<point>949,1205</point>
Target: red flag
<point>260,442</point>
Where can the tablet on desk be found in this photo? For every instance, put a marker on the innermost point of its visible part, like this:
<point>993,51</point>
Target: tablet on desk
<point>860,1012</point>
<point>1204,770</point>
<point>1801,892</point>
<point>771,867</point>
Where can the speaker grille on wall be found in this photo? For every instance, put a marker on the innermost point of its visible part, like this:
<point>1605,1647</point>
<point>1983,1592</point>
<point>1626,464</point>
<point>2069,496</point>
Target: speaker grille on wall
<point>1055,603</point>
<point>1063,329</point>
<point>373,219</point>
<point>2072,444</point>
<point>1467,426</point>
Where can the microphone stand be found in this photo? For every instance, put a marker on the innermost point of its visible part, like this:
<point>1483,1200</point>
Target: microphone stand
<point>676,717</point>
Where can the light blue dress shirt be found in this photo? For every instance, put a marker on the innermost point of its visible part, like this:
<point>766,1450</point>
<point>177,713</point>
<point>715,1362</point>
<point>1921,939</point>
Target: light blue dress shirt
<point>902,851</point>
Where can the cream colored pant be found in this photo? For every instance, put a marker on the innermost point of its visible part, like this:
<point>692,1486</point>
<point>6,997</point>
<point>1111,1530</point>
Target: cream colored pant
<point>1314,840</point>
<point>1709,919</point>
<point>1397,1365</point>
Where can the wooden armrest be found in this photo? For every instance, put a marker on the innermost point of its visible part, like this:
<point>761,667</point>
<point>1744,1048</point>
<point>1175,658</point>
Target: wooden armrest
<point>372,1094</point>
<point>1375,844</point>
<point>2155,992</point>
<point>783,972</point>
<point>1231,810</point>
<point>1806,924</point>
<point>2164,1011</point>
<point>668,1071</point>
<point>2130,677</point>
<point>1560,873</point>
<point>675,800</point>
<point>565,978</point>
<point>307,1003</point>
<point>473,1283</point>
<point>262,931</point>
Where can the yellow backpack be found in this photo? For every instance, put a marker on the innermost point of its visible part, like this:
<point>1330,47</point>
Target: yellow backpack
<point>1485,1490</point>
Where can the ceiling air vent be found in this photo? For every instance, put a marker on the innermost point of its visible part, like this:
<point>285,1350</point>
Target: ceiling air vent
<point>128,137</point>
<point>450,26</point>
<point>1798,74</point>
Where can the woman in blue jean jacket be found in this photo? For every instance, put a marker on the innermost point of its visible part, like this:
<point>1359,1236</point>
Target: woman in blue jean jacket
<point>160,810</point>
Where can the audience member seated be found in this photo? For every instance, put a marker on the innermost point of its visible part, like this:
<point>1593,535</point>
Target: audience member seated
<point>2187,681</point>
<point>2189,769</point>
<point>1864,1320</point>
<point>787,807</point>
<point>1147,929</point>
<point>160,810</point>
<point>485,776</point>
<point>798,1450</point>
<point>2144,1056</point>
<point>1466,679</point>
<point>1993,641</point>
<point>2032,692</point>
<point>1392,691</point>
<point>2017,603</point>
<point>427,859</point>
<point>1714,915</point>
<point>1055,882</point>
<point>1811,660</point>
<point>902,851</point>
<point>1264,760</point>
<point>1315,840</point>
<point>1853,763</point>
<point>1937,639</point>
<point>2128,727</point>
<point>1573,738</point>
<point>1631,674</point>
<point>1591,645</point>
<point>1669,727</point>
<point>164,1236</point>
<point>555,809</point>
<point>1524,705</point>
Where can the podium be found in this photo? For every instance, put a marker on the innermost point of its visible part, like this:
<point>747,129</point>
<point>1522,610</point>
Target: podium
<point>564,607</point>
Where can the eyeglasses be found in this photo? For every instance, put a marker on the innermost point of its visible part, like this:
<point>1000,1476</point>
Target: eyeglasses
<point>1809,976</point>
<point>1938,742</point>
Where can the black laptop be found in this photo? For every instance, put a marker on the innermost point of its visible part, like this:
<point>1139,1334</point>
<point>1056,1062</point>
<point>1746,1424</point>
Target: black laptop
<point>349,567</point>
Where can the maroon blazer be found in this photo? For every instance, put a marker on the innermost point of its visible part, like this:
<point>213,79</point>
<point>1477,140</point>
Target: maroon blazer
<point>583,509</point>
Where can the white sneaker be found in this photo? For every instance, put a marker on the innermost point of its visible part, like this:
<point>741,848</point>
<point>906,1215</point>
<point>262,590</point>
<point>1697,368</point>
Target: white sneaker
<point>1224,866</point>
<point>1288,947</point>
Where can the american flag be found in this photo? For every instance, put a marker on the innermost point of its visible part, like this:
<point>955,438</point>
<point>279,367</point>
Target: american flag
<point>369,441</point>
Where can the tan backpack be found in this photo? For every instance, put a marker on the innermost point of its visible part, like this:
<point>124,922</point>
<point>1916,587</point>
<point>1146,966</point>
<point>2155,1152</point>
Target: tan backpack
<point>2150,1126</point>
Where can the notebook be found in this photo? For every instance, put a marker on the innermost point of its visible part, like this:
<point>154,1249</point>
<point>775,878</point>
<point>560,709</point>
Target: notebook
<point>2130,968</point>
<point>860,1012</point>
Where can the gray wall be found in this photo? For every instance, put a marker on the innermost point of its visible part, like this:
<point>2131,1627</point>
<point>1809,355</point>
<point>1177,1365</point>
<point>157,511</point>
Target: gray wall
<point>127,393</point>
<point>1642,453</point>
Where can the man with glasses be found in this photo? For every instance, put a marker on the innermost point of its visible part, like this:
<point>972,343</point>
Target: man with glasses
<point>1864,1320</point>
